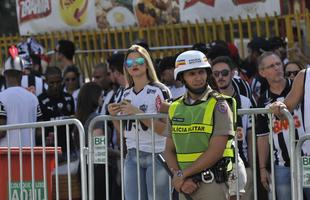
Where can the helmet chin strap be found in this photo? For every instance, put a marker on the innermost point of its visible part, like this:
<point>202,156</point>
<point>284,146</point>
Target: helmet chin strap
<point>197,91</point>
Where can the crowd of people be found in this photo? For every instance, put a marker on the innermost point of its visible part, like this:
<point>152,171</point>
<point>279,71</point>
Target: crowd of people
<point>200,90</point>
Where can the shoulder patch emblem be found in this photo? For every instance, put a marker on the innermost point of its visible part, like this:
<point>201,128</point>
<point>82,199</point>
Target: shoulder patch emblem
<point>158,102</point>
<point>221,107</point>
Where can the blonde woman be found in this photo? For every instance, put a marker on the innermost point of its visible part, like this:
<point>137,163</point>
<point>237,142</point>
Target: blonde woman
<point>143,95</point>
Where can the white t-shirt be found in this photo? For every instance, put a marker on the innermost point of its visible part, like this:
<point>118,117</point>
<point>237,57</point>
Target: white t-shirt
<point>176,92</point>
<point>148,100</point>
<point>19,106</point>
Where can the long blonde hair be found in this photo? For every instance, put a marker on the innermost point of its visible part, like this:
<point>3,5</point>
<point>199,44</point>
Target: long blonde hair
<point>151,73</point>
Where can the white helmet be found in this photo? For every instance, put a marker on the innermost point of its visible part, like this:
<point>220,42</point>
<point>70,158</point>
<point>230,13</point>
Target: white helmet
<point>189,60</point>
<point>16,63</point>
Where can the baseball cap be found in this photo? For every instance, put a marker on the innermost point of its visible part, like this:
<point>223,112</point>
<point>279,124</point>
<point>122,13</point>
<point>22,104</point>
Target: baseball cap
<point>167,63</point>
<point>217,50</point>
<point>259,44</point>
<point>277,42</point>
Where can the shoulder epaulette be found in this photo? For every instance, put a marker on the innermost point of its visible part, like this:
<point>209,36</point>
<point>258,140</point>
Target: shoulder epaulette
<point>178,98</point>
<point>231,102</point>
<point>218,96</point>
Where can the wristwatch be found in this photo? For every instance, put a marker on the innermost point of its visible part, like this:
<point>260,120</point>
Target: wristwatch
<point>179,173</point>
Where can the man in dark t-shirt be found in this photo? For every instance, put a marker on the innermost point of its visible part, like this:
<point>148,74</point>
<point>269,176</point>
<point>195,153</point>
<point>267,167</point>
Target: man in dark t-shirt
<point>55,105</point>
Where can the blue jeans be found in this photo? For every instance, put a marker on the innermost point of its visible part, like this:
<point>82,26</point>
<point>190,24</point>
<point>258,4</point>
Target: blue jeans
<point>283,182</point>
<point>146,177</point>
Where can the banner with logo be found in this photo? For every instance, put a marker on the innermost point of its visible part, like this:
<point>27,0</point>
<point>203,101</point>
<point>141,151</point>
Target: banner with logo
<point>40,16</point>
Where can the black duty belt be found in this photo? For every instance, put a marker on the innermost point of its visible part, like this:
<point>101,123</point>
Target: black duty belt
<point>205,176</point>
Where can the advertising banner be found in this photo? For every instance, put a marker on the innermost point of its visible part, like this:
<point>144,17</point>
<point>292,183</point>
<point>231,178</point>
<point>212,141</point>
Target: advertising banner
<point>40,16</point>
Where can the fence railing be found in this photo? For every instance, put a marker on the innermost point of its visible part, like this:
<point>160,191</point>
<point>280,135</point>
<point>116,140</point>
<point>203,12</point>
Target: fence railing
<point>292,143</point>
<point>299,177</point>
<point>36,153</point>
<point>296,185</point>
<point>107,118</point>
<point>94,44</point>
<point>253,112</point>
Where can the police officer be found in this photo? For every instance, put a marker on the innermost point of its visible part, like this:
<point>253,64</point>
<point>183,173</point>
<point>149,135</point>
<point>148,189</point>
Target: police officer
<point>202,122</point>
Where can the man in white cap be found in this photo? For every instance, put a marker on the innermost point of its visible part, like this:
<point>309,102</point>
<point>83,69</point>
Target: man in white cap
<point>17,105</point>
<point>199,152</point>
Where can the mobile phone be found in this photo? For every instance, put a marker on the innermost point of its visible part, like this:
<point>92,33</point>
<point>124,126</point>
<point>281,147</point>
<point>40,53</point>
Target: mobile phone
<point>125,100</point>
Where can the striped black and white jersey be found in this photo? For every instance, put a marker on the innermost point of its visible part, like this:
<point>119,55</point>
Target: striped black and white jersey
<point>34,84</point>
<point>280,129</point>
<point>107,98</point>
<point>117,96</point>
<point>245,122</point>
<point>243,88</point>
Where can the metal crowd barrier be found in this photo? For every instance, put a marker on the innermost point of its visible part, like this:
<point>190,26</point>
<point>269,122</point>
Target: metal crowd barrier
<point>252,112</point>
<point>300,178</point>
<point>32,126</point>
<point>107,118</point>
<point>255,111</point>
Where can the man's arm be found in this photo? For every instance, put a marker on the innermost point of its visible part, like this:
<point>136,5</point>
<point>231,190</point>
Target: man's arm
<point>170,155</point>
<point>2,119</point>
<point>2,122</point>
<point>296,93</point>
<point>164,107</point>
<point>171,159</point>
<point>293,98</point>
<point>263,152</point>
<point>250,147</point>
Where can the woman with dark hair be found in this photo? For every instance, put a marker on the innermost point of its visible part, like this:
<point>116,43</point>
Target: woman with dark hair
<point>292,68</point>
<point>88,101</point>
<point>71,77</point>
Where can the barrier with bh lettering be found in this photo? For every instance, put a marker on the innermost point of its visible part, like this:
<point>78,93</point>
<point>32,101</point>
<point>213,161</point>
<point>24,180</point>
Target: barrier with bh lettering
<point>305,160</point>
<point>99,150</point>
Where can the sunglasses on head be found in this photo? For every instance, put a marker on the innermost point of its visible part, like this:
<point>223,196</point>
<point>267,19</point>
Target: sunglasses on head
<point>224,72</point>
<point>289,73</point>
<point>70,79</point>
<point>138,61</point>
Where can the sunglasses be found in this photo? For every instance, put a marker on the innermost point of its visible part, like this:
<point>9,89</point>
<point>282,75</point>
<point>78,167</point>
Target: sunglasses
<point>224,72</point>
<point>289,73</point>
<point>138,61</point>
<point>70,79</point>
